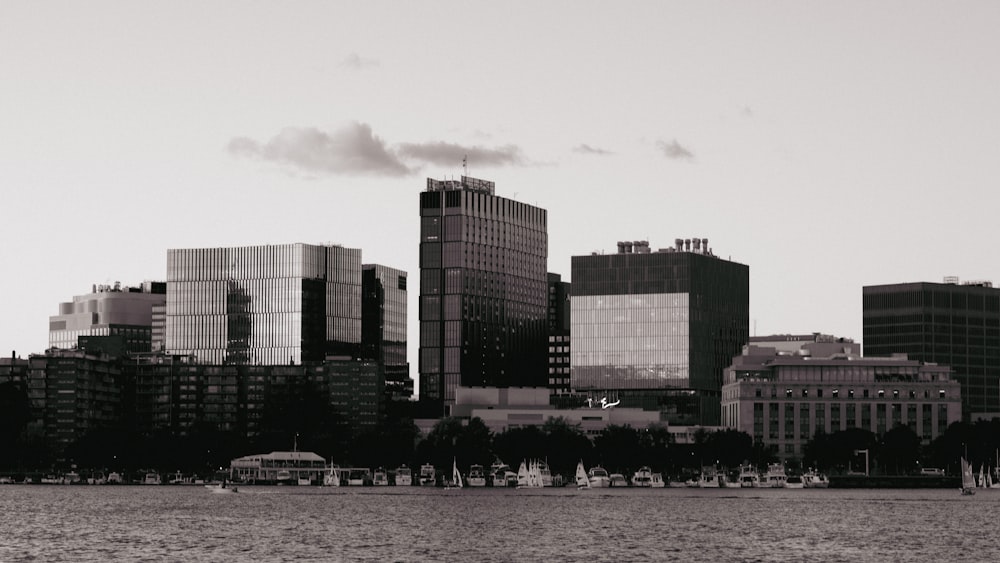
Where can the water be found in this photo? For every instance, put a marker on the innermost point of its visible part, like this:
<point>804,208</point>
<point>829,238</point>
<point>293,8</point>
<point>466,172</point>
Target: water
<point>188,523</point>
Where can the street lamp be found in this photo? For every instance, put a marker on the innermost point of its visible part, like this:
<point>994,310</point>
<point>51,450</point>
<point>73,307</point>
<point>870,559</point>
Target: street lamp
<point>864,451</point>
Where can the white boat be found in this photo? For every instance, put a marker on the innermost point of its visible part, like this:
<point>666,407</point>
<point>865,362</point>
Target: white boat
<point>709,478</point>
<point>582,481</point>
<point>404,476</point>
<point>428,477</point>
<point>151,478</point>
<point>283,477</point>
<point>114,478</point>
<point>775,478</point>
<point>617,480</point>
<point>656,481</point>
<point>221,488</point>
<point>304,481</point>
<point>794,482</point>
<point>968,479</point>
<point>643,477</point>
<point>500,473</point>
<point>380,478</point>
<point>544,473</point>
<point>455,482</point>
<point>599,477</point>
<point>332,477</point>
<point>358,477</point>
<point>814,480</point>
<point>476,477</point>
<point>749,477</point>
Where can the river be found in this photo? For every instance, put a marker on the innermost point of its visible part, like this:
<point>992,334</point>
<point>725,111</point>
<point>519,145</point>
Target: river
<point>189,523</point>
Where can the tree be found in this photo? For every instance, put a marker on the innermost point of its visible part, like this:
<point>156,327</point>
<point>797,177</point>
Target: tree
<point>899,450</point>
<point>565,445</point>
<point>731,448</point>
<point>519,444</point>
<point>618,448</point>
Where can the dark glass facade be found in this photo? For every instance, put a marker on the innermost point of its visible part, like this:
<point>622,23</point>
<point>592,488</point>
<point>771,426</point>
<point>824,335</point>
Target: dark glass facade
<point>657,329</point>
<point>950,324</point>
<point>559,332</point>
<point>383,326</point>
<point>264,305</point>
<point>483,290</point>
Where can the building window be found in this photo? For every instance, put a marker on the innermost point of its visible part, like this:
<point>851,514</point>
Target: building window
<point>850,393</point>
<point>788,393</point>
<point>805,392</point>
<point>881,393</point>
<point>819,392</point>
<point>941,394</point>
<point>836,393</point>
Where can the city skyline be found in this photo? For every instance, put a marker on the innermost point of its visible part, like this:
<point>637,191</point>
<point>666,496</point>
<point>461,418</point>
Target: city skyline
<point>827,147</point>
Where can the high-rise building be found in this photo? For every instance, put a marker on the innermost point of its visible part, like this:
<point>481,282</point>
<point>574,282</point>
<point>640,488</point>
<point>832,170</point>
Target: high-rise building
<point>559,341</point>
<point>383,327</point>
<point>264,305</point>
<point>109,310</point>
<point>483,290</point>
<point>656,330</point>
<point>947,323</point>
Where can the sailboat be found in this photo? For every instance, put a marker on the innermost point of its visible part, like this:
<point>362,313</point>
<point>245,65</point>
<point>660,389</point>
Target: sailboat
<point>968,479</point>
<point>582,481</point>
<point>982,478</point>
<point>456,477</point>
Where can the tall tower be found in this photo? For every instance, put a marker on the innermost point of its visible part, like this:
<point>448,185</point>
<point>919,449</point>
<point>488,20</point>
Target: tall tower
<point>264,305</point>
<point>656,330</point>
<point>483,290</point>
<point>947,323</point>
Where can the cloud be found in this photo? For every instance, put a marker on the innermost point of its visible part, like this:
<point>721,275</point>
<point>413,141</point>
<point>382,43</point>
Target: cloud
<point>674,150</point>
<point>355,61</point>
<point>353,149</point>
<point>587,149</point>
<point>446,154</point>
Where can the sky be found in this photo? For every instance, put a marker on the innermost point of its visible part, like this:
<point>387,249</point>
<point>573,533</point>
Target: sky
<point>826,145</point>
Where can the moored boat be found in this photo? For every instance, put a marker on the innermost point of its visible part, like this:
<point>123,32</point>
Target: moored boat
<point>599,477</point>
<point>332,477</point>
<point>794,482</point>
<point>380,477</point>
<point>617,480</point>
<point>582,481</point>
<point>775,477</point>
<point>404,476</point>
<point>643,477</point>
<point>968,480</point>
<point>814,480</point>
<point>749,477</point>
<point>476,476</point>
<point>428,477</point>
<point>656,481</point>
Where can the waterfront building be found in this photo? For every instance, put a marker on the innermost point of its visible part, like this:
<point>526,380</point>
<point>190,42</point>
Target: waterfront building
<point>175,394</point>
<point>559,332</point>
<point>483,290</point>
<point>73,393</point>
<point>783,399</point>
<point>384,325</point>
<point>109,310</point>
<point>655,330</point>
<point>278,467</point>
<point>951,323</point>
<point>264,305</point>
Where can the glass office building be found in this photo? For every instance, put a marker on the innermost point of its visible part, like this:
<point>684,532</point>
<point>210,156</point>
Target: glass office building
<point>483,290</point>
<point>264,305</point>
<point>951,323</point>
<point>656,330</point>
<point>383,326</point>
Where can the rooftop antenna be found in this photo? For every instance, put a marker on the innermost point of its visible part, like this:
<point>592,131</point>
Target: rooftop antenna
<point>465,165</point>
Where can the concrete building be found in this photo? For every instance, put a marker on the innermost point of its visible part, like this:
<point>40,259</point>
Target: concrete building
<point>783,399</point>
<point>951,323</point>
<point>109,310</point>
<point>483,290</point>
<point>656,329</point>
<point>264,305</point>
<point>515,407</point>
